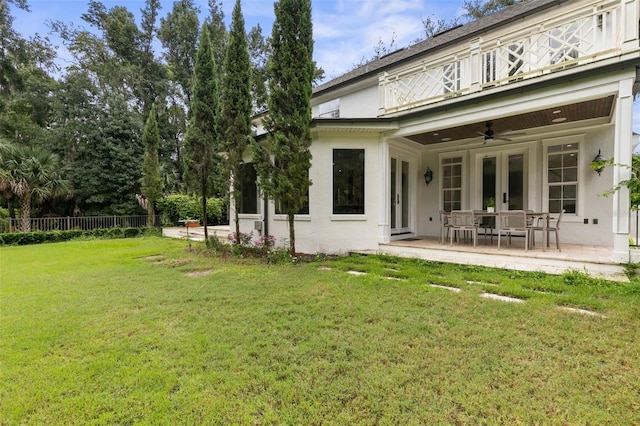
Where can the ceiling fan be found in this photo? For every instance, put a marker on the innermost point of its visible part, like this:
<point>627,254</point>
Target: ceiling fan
<point>489,134</point>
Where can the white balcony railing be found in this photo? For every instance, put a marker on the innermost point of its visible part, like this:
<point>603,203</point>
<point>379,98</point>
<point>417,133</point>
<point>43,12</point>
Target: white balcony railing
<point>578,37</point>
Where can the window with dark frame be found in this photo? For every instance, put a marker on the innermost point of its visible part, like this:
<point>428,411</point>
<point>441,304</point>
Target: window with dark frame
<point>248,189</point>
<point>348,181</point>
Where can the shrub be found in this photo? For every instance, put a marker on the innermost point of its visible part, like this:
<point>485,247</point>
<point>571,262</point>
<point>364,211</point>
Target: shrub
<point>38,237</point>
<point>178,206</point>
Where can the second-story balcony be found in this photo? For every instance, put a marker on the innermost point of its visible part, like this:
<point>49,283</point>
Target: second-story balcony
<point>515,52</point>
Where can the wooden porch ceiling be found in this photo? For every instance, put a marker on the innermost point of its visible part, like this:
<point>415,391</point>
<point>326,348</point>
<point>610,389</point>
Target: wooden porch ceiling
<point>503,126</point>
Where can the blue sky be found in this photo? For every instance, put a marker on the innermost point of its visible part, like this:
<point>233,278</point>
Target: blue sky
<point>345,31</point>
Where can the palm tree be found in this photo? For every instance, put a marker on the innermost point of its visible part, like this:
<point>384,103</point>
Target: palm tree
<point>30,174</point>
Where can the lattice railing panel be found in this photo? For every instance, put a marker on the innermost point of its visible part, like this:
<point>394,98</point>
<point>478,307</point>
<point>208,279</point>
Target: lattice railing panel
<point>570,40</point>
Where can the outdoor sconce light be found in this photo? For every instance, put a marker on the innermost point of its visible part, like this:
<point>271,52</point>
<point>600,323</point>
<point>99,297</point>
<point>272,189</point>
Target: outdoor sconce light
<point>428,176</point>
<point>598,163</point>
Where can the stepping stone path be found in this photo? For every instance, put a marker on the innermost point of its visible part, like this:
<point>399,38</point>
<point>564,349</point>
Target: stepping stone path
<point>501,298</point>
<point>491,296</point>
<point>444,287</point>
<point>581,311</point>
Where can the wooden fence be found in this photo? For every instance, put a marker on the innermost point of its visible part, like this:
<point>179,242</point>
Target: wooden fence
<point>83,223</point>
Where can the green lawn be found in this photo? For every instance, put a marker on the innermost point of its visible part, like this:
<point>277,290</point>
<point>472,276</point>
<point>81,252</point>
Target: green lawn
<point>147,331</point>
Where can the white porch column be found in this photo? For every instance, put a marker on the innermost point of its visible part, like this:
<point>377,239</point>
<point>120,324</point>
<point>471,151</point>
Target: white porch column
<point>384,209</point>
<point>622,155</point>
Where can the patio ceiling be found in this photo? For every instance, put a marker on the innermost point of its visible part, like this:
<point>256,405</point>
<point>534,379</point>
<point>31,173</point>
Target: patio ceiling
<point>597,108</point>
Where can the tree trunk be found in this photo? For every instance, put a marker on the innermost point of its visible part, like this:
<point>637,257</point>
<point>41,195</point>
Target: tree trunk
<point>151,215</point>
<point>25,213</point>
<point>204,206</point>
<point>236,203</point>
<point>292,235</point>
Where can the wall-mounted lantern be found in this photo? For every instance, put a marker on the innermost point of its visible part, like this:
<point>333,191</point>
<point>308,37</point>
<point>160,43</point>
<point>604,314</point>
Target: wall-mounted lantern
<point>428,176</point>
<point>598,163</point>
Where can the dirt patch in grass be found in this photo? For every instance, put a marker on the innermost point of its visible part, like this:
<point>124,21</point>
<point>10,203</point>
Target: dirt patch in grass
<point>153,257</point>
<point>196,274</point>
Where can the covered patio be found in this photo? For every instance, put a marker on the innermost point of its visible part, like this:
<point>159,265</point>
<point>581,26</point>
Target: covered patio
<point>593,260</point>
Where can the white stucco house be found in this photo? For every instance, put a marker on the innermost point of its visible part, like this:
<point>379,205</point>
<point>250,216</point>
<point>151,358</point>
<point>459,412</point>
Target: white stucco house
<point>514,106</point>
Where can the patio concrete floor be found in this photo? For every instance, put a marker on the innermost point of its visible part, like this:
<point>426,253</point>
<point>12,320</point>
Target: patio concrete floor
<point>593,260</point>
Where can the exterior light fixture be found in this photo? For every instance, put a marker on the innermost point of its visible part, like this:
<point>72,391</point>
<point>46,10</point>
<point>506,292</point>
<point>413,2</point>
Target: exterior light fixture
<point>428,176</point>
<point>598,163</point>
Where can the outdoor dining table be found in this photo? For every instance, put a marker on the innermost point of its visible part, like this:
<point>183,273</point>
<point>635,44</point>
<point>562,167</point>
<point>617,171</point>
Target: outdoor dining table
<point>544,216</point>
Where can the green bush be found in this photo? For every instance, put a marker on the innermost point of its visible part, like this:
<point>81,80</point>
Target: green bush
<point>177,206</point>
<point>38,237</point>
<point>4,220</point>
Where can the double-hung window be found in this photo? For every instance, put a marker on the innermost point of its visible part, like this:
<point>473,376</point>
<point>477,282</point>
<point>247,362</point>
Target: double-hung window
<point>562,177</point>
<point>452,183</point>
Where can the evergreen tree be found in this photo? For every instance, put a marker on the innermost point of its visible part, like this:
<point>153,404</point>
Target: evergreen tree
<point>235,113</point>
<point>151,181</point>
<point>284,171</point>
<point>200,144</point>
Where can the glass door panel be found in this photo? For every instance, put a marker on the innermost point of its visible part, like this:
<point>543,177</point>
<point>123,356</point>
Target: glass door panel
<point>394,166</point>
<point>405,194</point>
<point>399,196</point>
<point>503,179</point>
<point>515,185</point>
<point>489,171</point>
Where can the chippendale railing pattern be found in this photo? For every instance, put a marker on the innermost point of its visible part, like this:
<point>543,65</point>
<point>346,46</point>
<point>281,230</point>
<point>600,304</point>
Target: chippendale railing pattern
<point>575,38</point>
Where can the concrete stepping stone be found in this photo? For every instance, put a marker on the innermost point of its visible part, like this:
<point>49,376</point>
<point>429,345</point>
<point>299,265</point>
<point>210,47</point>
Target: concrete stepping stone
<point>501,298</point>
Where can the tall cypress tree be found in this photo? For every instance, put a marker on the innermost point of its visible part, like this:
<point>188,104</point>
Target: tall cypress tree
<point>291,72</point>
<point>235,113</point>
<point>200,144</point>
<point>151,180</point>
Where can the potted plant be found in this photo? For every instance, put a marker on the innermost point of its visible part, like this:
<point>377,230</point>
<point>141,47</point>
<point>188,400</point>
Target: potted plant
<point>491,205</point>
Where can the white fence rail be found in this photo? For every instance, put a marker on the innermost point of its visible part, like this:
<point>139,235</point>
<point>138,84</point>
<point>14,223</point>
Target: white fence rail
<point>83,223</point>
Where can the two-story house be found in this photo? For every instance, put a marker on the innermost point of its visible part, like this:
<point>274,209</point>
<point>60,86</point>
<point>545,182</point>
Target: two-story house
<point>514,107</point>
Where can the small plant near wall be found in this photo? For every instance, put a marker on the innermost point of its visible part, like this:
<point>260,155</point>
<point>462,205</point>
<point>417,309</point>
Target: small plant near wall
<point>491,204</point>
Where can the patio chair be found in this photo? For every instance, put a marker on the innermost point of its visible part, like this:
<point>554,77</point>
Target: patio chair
<point>511,221</point>
<point>463,220</point>
<point>554,226</point>
<point>445,225</point>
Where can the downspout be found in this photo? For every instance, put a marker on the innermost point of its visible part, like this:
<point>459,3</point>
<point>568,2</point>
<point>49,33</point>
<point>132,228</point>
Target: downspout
<point>266,216</point>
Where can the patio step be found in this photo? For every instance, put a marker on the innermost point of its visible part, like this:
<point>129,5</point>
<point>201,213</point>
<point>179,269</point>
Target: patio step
<point>196,233</point>
<point>508,260</point>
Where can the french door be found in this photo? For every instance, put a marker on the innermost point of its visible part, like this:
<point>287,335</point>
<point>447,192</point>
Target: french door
<point>400,199</point>
<point>503,178</point>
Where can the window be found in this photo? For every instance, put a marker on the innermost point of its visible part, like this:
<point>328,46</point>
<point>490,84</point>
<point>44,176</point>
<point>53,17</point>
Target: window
<point>451,77</point>
<point>452,183</point>
<point>248,189</point>
<point>329,109</point>
<point>348,181</point>
<point>303,210</point>
<point>562,177</point>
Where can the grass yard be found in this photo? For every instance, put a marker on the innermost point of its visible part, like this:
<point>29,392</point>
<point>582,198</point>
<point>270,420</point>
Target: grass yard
<point>146,331</point>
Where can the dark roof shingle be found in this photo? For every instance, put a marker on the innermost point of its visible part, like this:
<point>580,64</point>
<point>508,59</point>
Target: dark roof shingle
<point>455,35</point>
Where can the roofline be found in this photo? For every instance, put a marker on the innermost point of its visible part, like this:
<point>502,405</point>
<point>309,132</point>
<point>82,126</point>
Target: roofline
<point>457,34</point>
